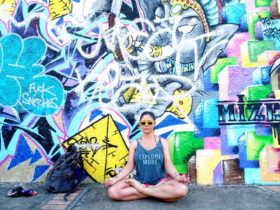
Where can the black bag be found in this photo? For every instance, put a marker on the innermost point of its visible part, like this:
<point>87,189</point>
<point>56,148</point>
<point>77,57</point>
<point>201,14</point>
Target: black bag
<point>64,176</point>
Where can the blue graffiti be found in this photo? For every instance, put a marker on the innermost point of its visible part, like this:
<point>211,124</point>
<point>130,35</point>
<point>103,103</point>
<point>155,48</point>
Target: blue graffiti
<point>22,82</point>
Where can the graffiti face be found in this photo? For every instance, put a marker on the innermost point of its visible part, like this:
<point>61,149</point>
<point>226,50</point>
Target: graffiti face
<point>188,29</point>
<point>173,55</point>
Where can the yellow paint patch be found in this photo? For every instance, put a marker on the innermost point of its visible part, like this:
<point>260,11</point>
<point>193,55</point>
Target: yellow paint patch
<point>206,162</point>
<point>245,60</point>
<point>103,148</point>
<point>275,137</point>
<point>182,104</point>
<point>7,6</point>
<point>266,161</point>
<point>266,57</point>
<point>277,94</point>
<point>59,8</point>
<point>143,97</point>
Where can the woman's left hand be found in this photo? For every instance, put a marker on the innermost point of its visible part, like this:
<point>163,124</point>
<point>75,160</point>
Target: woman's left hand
<point>182,178</point>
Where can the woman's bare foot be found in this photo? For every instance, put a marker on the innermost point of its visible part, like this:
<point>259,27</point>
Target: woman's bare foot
<point>135,184</point>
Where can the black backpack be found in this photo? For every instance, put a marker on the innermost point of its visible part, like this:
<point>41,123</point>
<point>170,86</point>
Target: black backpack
<point>64,176</point>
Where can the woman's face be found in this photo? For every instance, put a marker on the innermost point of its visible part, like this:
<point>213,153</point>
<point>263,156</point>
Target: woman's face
<point>147,124</point>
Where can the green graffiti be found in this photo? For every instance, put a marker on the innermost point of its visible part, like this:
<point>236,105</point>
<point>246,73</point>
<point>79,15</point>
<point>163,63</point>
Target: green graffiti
<point>255,144</point>
<point>219,66</point>
<point>254,93</point>
<point>257,92</point>
<point>262,3</point>
<point>258,47</point>
<point>182,146</point>
<point>253,18</point>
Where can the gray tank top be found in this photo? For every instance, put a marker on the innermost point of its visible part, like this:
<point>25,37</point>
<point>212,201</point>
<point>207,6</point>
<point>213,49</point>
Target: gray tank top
<point>149,164</point>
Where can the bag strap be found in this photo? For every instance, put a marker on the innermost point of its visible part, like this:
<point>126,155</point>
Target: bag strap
<point>79,179</point>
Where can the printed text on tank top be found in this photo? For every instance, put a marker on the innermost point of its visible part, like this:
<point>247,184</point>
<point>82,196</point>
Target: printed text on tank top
<point>149,163</point>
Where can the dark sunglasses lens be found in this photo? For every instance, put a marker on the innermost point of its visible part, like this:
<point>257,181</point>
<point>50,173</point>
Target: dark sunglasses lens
<point>143,123</point>
<point>150,123</point>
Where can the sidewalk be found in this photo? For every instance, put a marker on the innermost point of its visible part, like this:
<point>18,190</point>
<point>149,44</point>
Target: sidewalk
<point>93,196</point>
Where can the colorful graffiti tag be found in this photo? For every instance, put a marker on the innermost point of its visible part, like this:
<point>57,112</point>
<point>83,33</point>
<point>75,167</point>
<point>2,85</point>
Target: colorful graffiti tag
<point>83,71</point>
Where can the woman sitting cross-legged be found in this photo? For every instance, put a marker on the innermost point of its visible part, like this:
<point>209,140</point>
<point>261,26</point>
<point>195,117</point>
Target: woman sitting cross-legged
<point>155,176</point>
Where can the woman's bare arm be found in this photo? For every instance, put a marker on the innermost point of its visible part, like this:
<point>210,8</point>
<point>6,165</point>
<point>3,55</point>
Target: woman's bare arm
<point>130,162</point>
<point>169,166</point>
<point>127,169</point>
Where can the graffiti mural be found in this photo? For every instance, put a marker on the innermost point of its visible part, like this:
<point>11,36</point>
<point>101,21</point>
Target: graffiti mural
<point>81,72</point>
<point>102,147</point>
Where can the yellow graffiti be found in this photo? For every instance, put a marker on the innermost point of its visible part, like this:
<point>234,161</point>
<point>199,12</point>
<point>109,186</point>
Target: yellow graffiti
<point>59,8</point>
<point>182,105</point>
<point>269,160</point>
<point>103,148</point>
<point>7,6</point>
<point>277,94</point>
<point>265,58</point>
<point>245,58</point>
<point>206,162</point>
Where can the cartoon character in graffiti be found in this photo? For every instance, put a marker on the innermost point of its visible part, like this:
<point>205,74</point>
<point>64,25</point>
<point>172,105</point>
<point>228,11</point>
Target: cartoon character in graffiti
<point>183,40</point>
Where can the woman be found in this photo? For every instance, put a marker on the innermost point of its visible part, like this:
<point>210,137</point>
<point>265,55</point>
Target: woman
<point>151,158</point>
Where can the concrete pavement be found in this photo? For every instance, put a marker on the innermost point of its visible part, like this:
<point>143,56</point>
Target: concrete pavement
<point>93,196</point>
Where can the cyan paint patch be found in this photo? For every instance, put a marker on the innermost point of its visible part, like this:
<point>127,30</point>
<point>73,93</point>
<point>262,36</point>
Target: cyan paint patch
<point>253,176</point>
<point>235,12</point>
<point>261,75</point>
<point>271,31</point>
<point>19,74</point>
<point>226,149</point>
<point>235,131</point>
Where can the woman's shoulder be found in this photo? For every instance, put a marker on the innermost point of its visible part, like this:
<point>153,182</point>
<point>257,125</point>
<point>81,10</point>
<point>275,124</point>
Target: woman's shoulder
<point>133,144</point>
<point>163,141</point>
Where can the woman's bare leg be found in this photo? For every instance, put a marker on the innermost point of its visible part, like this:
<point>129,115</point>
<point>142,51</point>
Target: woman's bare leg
<point>123,191</point>
<point>169,191</point>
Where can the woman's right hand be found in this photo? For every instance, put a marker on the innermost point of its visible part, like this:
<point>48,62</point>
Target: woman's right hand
<point>111,181</point>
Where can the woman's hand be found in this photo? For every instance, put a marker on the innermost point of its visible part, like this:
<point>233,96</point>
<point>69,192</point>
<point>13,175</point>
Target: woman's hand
<point>111,181</point>
<point>182,178</point>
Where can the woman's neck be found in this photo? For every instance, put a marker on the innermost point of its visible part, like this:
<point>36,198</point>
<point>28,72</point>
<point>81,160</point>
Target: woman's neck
<point>148,135</point>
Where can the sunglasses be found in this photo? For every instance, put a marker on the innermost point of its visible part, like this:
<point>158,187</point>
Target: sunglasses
<point>146,122</point>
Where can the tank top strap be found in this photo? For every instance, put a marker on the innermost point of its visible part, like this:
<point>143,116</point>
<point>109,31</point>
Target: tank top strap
<point>138,143</point>
<point>159,143</point>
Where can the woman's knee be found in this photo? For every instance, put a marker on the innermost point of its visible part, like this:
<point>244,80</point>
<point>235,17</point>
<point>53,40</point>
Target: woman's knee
<point>113,193</point>
<point>181,190</point>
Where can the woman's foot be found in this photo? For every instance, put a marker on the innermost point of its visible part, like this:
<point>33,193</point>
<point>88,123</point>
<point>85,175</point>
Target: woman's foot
<point>135,184</point>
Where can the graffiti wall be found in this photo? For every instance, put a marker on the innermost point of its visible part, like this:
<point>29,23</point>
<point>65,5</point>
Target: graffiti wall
<point>82,71</point>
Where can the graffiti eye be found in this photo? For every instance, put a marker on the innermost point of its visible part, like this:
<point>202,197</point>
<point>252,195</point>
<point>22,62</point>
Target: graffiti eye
<point>157,19</point>
<point>159,14</point>
<point>186,29</point>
